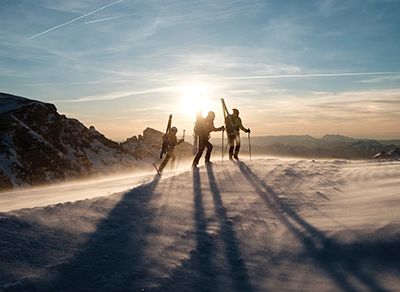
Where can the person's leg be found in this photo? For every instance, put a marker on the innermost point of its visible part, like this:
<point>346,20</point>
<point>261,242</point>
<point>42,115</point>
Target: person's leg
<point>231,141</point>
<point>202,146</point>
<point>164,163</point>
<point>237,148</point>
<point>209,149</point>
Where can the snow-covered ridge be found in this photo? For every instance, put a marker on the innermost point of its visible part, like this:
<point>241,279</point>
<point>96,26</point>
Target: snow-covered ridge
<point>38,145</point>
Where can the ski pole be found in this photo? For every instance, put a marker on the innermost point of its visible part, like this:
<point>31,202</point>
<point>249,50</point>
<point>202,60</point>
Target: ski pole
<point>222,146</point>
<point>248,135</point>
<point>226,147</point>
<point>180,150</point>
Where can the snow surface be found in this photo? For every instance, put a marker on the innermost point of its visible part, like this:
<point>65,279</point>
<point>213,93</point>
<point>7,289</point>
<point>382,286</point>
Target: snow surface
<point>260,225</point>
<point>70,191</point>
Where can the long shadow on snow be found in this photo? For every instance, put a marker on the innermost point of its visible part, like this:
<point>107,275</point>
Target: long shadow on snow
<point>26,243</point>
<point>338,260</point>
<point>205,246</point>
<point>113,257</point>
<point>198,273</point>
<point>232,250</point>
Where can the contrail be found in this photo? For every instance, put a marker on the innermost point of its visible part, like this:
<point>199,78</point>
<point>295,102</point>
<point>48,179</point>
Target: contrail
<point>310,75</point>
<point>117,95</point>
<point>105,19</point>
<point>75,19</point>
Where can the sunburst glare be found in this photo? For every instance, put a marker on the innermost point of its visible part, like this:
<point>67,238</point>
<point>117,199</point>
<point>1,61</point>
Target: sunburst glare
<point>195,98</point>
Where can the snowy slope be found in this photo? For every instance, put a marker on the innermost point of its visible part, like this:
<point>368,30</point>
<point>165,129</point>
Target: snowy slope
<point>250,226</point>
<point>70,191</point>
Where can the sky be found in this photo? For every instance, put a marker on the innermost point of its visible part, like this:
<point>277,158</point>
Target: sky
<point>291,67</point>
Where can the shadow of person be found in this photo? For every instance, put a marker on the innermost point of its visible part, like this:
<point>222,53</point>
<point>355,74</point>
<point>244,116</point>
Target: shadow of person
<point>233,255</point>
<point>198,273</point>
<point>205,246</point>
<point>323,250</point>
<point>112,259</point>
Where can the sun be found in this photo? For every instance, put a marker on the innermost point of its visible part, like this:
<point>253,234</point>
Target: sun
<point>196,98</point>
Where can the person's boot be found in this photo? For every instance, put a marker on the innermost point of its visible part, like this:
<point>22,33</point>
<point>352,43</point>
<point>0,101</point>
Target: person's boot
<point>236,156</point>
<point>231,153</point>
<point>208,162</point>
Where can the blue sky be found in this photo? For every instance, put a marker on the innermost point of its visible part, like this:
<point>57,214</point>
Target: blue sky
<point>291,67</point>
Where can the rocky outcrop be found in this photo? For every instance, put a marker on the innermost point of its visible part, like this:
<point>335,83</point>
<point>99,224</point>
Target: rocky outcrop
<point>38,145</point>
<point>148,145</point>
<point>393,154</point>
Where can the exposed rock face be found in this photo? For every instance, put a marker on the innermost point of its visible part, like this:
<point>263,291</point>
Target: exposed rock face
<point>149,145</point>
<point>38,145</point>
<point>394,154</point>
<point>146,146</point>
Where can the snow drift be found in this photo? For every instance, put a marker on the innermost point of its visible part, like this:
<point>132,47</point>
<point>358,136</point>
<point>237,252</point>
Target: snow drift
<point>249,226</point>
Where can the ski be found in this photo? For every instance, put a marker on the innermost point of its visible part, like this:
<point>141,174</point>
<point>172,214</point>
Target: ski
<point>195,144</point>
<point>180,150</point>
<point>230,129</point>
<point>158,171</point>
<point>248,135</point>
<point>164,145</point>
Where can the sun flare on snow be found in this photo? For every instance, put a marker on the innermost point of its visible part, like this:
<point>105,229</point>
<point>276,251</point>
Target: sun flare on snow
<point>196,98</point>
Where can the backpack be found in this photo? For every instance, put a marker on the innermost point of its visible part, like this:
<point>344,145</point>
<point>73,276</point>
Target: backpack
<point>199,126</point>
<point>229,125</point>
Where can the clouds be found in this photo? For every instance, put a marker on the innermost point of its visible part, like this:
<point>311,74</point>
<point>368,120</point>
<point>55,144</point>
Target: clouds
<point>312,75</point>
<point>372,104</point>
<point>381,79</point>
<point>355,113</point>
<point>116,95</point>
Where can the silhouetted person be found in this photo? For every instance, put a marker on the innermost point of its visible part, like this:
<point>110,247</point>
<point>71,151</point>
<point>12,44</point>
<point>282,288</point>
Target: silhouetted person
<point>233,132</point>
<point>205,127</point>
<point>170,141</point>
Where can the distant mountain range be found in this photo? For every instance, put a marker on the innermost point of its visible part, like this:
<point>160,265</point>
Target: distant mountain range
<point>329,146</point>
<point>309,141</point>
<point>38,145</point>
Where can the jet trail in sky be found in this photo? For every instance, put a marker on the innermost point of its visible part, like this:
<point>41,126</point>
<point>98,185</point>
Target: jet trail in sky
<point>75,19</point>
<point>105,19</point>
<point>310,75</point>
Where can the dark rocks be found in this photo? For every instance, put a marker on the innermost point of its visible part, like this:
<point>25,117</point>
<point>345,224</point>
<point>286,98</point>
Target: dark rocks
<point>38,145</point>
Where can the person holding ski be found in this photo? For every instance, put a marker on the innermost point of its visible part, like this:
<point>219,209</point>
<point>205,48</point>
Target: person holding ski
<point>169,142</point>
<point>203,128</point>
<point>233,126</point>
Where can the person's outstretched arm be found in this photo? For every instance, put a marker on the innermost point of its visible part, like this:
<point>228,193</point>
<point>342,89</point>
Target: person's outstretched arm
<point>214,129</point>
<point>241,127</point>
